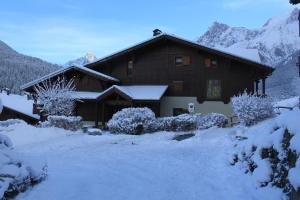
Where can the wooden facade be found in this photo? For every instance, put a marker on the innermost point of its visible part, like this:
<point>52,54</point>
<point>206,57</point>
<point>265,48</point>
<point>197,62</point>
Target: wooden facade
<point>155,64</point>
<point>187,68</point>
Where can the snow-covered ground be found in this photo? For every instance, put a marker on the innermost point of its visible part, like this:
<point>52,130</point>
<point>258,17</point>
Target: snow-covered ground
<point>151,166</point>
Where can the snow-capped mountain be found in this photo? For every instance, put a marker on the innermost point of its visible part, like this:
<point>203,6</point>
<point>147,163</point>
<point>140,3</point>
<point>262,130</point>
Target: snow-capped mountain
<point>88,58</point>
<point>275,41</point>
<point>17,69</point>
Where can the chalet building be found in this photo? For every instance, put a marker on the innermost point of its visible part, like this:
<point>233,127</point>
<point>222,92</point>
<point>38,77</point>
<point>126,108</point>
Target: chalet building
<point>164,73</point>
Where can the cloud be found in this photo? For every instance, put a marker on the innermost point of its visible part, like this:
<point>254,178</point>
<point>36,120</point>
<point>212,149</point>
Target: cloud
<point>59,40</point>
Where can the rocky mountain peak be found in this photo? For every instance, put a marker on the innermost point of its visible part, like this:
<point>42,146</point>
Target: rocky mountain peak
<point>88,58</point>
<point>275,41</point>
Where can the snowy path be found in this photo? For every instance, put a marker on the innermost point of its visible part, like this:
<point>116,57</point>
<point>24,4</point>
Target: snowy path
<point>134,167</point>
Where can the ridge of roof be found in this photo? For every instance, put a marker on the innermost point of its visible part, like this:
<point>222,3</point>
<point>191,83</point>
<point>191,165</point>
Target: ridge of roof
<point>63,70</point>
<point>172,36</point>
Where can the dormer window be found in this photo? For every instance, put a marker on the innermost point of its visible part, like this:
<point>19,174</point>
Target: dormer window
<point>129,68</point>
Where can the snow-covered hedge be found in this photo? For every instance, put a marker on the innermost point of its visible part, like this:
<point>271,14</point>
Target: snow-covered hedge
<point>212,119</point>
<point>270,152</point>
<point>251,109</point>
<point>131,120</point>
<point>184,122</point>
<point>141,120</point>
<point>15,175</point>
<point>66,122</point>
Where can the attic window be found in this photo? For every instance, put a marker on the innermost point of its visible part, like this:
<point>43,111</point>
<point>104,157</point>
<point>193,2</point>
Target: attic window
<point>129,68</point>
<point>208,62</point>
<point>182,60</point>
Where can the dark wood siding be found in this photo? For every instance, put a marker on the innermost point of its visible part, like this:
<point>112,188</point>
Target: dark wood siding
<point>155,65</point>
<point>87,110</point>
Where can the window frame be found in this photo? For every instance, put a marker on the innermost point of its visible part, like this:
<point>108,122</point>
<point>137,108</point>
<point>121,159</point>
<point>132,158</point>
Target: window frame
<point>175,60</point>
<point>209,63</point>
<point>185,60</point>
<point>129,69</point>
<point>211,97</point>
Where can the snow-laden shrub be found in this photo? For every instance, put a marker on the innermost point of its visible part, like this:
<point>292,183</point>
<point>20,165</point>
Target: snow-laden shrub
<point>184,122</point>
<point>131,120</point>
<point>212,119</point>
<point>56,98</point>
<point>66,122</point>
<point>270,152</point>
<point>15,174</point>
<point>251,109</point>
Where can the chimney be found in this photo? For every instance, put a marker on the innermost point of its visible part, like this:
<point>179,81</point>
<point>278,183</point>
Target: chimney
<point>156,32</point>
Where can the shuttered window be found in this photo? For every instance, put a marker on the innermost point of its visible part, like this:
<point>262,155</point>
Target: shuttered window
<point>182,60</point>
<point>210,63</point>
<point>214,89</point>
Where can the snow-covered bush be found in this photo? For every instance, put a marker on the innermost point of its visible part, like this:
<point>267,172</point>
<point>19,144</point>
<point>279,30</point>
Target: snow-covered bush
<point>270,151</point>
<point>212,119</point>
<point>184,122</point>
<point>66,122</point>
<point>131,120</point>
<point>15,175</point>
<point>251,109</point>
<point>56,98</point>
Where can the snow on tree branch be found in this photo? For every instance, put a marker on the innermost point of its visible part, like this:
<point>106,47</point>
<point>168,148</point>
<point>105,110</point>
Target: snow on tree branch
<point>57,97</point>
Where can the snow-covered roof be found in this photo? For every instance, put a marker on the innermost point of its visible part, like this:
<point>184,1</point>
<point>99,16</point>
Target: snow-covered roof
<point>86,95</point>
<point>291,102</point>
<point>172,36</point>
<point>63,70</point>
<point>18,103</point>
<point>140,92</point>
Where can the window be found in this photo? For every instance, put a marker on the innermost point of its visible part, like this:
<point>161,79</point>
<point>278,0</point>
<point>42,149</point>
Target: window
<point>177,86</point>
<point>214,63</point>
<point>213,89</point>
<point>129,68</point>
<point>211,63</point>
<point>179,111</point>
<point>178,61</point>
<point>207,62</point>
<point>182,60</point>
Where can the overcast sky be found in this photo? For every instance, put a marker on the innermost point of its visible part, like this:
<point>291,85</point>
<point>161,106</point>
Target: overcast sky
<point>60,30</point>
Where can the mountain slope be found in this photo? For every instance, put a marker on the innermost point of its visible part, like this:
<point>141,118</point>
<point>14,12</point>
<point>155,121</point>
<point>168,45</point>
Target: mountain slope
<point>88,58</point>
<point>275,41</point>
<point>17,69</point>
<point>277,44</point>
